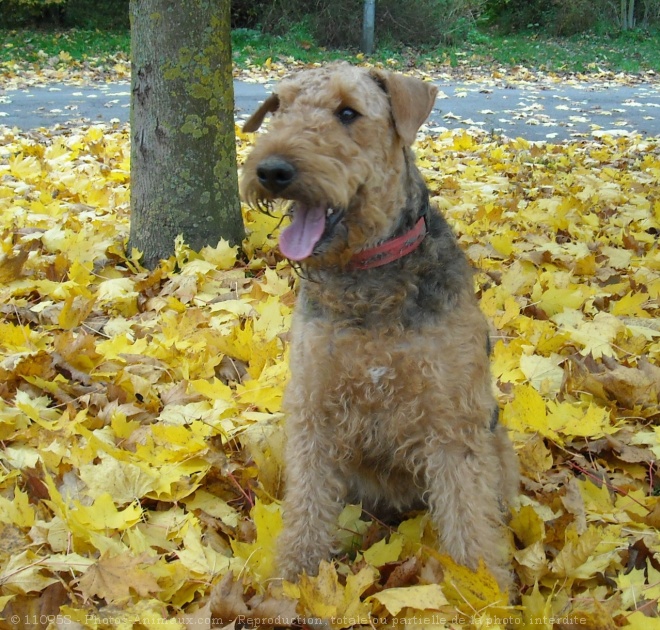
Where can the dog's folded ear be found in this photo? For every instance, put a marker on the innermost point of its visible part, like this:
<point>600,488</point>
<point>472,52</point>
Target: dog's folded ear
<point>412,101</point>
<point>271,104</point>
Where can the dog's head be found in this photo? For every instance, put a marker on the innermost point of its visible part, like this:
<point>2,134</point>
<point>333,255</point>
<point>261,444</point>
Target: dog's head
<point>337,148</point>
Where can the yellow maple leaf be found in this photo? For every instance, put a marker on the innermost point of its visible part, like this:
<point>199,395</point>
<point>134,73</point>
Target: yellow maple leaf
<point>573,419</point>
<point>18,511</point>
<point>39,409</point>
<point>505,361</point>
<point>596,337</point>
<point>527,525</point>
<point>22,574</point>
<point>223,255</point>
<point>384,551</point>
<point>75,310</point>
<point>584,555</point>
<point>352,607</point>
<point>474,593</point>
<point>557,299</point>
<point>324,597</point>
<point>519,278</point>
<point>113,578</point>
<point>175,480</point>
<point>596,500</point>
<point>264,440</point>
<point>321,595</point>
<point>261,230</point>
<point>632,585</point>
<point>11,266</point>
<point>534,455</point>
<point>26,168</point>
<point>543,373</point>
<point>537,610</point>
<point>22,456</point>
<point>463,142</point>
<point>420,597</point>
<point>103,514</point>
<point>631,304</point>
<point>639,621</point>
<point>20,338</point>
<point>274,318</point>
<point>198,555</point>
<point>119,294</point>
<point>532,562</point>
<point>526,413</point>
<point>504,242</point>
<point>274,284</point>
<point>123,481</point>
<point>120,344</point>
<point>213,389</point>
<point>213,505</point>
<point>351,528</point>
<point>266,392</point>
<point>258,557</point>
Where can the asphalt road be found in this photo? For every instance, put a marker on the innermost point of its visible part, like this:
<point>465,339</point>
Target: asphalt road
<point>534,111</point>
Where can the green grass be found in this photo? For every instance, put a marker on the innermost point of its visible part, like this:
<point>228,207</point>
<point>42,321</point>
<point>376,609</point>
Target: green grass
<point>251,47</point>
<point>33,46</point>
<point>632,52</point>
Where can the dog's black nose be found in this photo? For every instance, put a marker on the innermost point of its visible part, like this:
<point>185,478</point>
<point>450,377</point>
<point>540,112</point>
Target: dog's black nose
<point>275,173</point>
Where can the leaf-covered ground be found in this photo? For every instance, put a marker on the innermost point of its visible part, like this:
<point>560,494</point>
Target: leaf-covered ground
<point>140,411</point>
<point>519,59</point>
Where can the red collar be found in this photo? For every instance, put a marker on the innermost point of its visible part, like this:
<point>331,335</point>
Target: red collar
<point>389,251</point>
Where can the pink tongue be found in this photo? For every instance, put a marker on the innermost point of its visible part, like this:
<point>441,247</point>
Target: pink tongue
<point>298,240</point>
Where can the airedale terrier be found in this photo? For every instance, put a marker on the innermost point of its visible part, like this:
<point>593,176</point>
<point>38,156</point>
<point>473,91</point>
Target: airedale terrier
<point>390,401</point>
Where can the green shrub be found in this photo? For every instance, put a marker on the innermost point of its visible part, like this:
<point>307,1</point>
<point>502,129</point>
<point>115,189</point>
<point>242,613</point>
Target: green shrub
<point>649,12</point>
<point>575,16</point>
<point>106,15</point>
<point>91,14</point>
<point>520,15</point>
<point>427,21</point>
<point>246,13</point>
<point>567,17</point>
<point>27,12</point>
<point>338,23</point>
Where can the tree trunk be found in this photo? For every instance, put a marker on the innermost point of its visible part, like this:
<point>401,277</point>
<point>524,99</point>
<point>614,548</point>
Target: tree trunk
<point>631,14</point>
<point>368,26</point>
<point>627,14</point>
<point>183,152</point>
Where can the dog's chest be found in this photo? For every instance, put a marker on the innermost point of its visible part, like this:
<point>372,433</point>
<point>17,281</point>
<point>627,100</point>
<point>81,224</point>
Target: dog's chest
<point>362,372</point>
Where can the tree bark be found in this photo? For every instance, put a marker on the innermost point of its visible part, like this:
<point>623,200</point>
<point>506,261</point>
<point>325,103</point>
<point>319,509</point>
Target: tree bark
<point>631,14</point>
<point>183,151</point>
<point>627,10</point>
<point>368,26</point>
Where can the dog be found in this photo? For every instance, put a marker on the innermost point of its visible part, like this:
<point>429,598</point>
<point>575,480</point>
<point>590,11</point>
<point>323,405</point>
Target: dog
<point>390,401</point>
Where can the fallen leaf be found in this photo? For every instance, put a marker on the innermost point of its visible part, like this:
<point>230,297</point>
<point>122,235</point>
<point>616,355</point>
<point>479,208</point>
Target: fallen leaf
<point>114,578</point>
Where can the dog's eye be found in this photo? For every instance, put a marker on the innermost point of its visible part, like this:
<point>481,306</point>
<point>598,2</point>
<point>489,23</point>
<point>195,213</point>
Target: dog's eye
<point>347,115</point>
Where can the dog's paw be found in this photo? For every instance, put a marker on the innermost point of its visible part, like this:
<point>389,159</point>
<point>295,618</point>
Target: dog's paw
<point>289,569</point>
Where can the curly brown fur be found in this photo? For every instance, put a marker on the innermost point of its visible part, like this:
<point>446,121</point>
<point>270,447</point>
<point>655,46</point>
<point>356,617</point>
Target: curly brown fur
<point>390,401</point>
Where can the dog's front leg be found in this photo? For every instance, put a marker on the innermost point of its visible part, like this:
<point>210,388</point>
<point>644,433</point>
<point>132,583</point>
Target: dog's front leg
<point>464,496</point>
<point>314,497</point>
